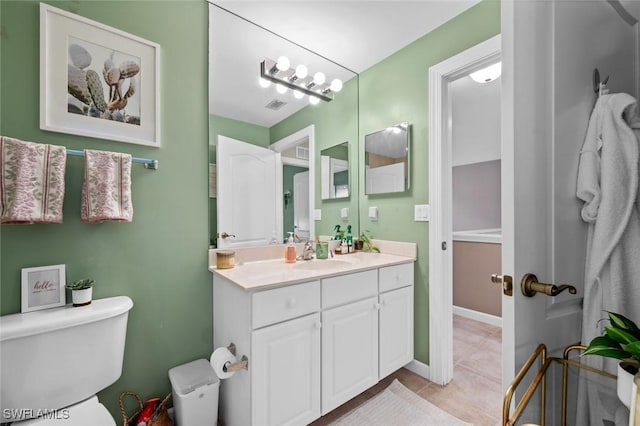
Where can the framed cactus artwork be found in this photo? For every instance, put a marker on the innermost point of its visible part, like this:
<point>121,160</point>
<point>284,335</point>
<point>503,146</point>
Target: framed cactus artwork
<point>97,81</point>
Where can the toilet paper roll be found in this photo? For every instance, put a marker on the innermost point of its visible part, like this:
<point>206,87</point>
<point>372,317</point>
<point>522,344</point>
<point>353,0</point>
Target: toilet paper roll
<point>219,358</point>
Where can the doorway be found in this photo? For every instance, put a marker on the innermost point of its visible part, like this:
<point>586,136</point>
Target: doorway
<point>441,190</point>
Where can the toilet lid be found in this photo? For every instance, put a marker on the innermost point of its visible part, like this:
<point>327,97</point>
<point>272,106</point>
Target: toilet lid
<point>87,412</point>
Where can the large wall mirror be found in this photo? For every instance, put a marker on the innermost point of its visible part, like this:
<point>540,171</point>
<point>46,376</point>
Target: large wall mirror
<point>387,160</point>
<point>334,172</point>
<point>265,139</point>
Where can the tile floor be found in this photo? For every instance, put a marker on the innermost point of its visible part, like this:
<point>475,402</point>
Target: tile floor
<point>475,393</point>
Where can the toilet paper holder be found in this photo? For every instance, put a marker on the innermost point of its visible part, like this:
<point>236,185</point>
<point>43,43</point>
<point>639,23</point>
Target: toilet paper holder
<point>243,364</point>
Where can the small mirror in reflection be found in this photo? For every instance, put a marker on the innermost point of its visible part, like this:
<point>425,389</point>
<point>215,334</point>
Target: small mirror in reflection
<point>334,172</point>
<point>387,160</point>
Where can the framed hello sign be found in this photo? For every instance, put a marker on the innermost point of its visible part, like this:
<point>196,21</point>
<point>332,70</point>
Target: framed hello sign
<point>43,287</point>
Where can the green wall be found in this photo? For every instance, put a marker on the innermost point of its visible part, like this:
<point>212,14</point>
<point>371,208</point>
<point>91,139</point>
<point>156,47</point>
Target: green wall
<point>160,259</point>
<point>335,122</point>
<point>396,90</point>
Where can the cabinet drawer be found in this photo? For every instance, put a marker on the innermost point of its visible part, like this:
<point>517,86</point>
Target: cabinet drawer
<point>397,276</point>
<point>280,304</point>
<point>348,288</point>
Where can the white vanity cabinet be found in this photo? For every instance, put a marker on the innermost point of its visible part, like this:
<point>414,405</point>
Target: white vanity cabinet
<point>285,372</point>
<point>313,345</point>
<point>396,318</point>
<point>349,337</point>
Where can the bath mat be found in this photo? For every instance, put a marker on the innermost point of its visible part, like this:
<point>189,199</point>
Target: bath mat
<point>397,405</point>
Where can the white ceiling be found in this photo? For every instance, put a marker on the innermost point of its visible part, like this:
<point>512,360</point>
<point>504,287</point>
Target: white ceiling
<point>354,34</point>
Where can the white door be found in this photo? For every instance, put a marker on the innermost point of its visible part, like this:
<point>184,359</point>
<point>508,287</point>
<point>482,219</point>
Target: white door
<point>301,214</point>
<point>249,194</point>
<point>383,179</point>
<point>549,52</point>
<point>285,373</point>
<point>396,330</point>
<point>349,351</point>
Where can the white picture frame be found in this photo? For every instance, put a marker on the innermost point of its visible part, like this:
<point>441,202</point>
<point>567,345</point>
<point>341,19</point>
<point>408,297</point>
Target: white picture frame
<point>77,53</point>
<point>43,287</point>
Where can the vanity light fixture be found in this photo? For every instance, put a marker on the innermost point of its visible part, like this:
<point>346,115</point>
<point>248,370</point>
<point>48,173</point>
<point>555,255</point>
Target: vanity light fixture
<point>299,80</point>
<point>487,74</point>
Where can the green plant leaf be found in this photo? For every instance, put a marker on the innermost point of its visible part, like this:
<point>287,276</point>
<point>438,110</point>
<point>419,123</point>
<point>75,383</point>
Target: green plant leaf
<point>620,336</point>
<point>634,349</point>
<point>607,352</point>
<point>621,322</point>
<point>605,341</point>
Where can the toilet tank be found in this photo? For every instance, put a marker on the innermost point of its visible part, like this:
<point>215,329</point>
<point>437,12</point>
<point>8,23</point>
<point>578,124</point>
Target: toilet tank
<point>54,358</point>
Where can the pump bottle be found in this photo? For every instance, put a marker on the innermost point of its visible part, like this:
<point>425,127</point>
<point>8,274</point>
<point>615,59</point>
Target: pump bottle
<point>290,250</point>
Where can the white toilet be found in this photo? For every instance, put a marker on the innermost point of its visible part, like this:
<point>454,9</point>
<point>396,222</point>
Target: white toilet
<point>54,361</point>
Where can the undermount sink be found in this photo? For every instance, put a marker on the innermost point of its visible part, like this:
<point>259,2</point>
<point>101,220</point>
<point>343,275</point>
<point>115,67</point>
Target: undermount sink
<point>320,264</point>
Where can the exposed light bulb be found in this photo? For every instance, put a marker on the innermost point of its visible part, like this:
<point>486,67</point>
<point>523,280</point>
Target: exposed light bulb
<point>313,100</point>
<point>283,63</point>
<point>319,78</point>
<point>264,83</point>
<point>301,71</point>
<point>298,94</point>
<point>336,85</point>
<point>281,89</point>
<point>487,74</point>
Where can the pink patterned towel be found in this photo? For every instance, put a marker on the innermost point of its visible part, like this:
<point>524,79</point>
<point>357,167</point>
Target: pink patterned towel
<point>31,181</point>
<point>106,191</point>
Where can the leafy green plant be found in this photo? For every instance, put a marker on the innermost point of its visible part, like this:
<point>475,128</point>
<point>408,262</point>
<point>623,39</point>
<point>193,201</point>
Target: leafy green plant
<point>620,341</point>
<point>80,284</point>
<point>366,241</point>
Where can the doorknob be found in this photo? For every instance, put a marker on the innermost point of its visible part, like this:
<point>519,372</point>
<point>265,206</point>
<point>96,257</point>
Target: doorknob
<point>224,235</point>
<point>530,286</point>
<point>506,281</point>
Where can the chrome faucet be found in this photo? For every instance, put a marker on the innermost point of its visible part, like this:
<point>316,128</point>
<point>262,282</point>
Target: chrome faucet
<point>308,251</point>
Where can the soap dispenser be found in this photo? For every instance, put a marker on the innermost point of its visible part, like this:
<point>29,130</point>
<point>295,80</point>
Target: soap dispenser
<point>290,250</point>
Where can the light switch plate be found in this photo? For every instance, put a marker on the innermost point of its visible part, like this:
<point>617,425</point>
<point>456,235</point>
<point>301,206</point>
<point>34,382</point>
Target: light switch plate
<point>344,213</point>
<point>373,214</point>
<point>317,214</point>
<point>421,212</point>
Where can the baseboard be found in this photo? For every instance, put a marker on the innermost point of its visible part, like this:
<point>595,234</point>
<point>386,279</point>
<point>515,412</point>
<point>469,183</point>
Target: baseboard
<point>420,368</point>
<point>478,316</point>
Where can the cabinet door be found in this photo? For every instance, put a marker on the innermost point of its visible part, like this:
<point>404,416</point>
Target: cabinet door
<point>349,351</point>
<point>285,372</point>
<point>396,330</point>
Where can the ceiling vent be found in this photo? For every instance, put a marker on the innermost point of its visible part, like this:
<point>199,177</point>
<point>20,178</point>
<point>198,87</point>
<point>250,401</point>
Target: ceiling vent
<point>275,104</point>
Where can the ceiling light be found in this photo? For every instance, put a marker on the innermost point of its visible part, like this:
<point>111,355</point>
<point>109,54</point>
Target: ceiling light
<point>302,71</point>
<point>298,80</point>
<point>264,82</point>
<point>313,100</point>
<point>487,74</point>
<point>283,63</point>
<point>319,78</point>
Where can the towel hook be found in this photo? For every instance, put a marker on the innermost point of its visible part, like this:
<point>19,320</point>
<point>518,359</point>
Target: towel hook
<point>596,80</point>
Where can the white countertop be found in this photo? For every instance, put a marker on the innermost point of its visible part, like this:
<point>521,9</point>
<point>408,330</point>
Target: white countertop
<point>264,274</point>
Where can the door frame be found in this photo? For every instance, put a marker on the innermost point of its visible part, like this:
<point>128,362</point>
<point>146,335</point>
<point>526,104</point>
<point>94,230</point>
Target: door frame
<point>440,226</point>
<point>307,133</point>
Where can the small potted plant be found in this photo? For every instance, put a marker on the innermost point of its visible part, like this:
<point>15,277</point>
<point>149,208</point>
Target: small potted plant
<point>367,246</point>
<point>621,341</point>
<point>81,291</point>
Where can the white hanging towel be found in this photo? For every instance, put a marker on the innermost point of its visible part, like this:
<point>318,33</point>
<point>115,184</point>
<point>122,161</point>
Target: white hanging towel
<point>608,185</point>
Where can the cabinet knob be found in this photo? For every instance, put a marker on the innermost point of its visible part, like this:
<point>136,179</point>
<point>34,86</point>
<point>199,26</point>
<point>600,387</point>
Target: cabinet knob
<point>291,302</point>
<point>384,302</point>
<point>376,306</point>
<point>318,325</point>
